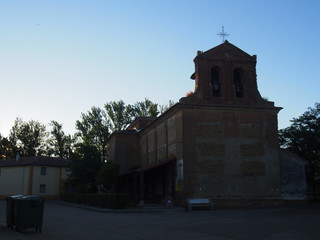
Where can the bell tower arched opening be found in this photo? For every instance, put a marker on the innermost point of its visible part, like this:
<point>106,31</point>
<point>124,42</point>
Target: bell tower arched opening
<point>238,83</point>
<point>215,82</point>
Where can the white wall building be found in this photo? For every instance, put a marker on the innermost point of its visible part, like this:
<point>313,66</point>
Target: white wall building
<point>44,176</point>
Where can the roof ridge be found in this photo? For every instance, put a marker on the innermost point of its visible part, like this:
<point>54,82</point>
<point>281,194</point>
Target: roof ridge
<point>35,161</point>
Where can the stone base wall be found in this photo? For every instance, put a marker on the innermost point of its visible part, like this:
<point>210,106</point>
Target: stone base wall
<point>242,203</point>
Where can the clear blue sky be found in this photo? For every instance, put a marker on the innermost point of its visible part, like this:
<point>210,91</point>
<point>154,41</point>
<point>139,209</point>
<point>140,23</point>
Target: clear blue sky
<point>59,58</point>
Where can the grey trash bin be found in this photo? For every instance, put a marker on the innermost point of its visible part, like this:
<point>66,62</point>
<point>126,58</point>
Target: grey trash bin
<point>29,213</point>
<point>10,209</point>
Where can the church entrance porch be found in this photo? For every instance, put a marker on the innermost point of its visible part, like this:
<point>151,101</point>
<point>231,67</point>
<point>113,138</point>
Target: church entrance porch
<point>151,184</point>
<point>159,183</point>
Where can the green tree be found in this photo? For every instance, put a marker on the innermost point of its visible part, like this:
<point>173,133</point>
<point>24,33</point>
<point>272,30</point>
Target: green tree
<point>84,167</point>
<point>60,144</point>
<point>6,148</point>
<point>165,107</point>
<point>145,108</point>
<point>90,150</point>
<point>93,130</point>
<point>119,114</point>
<point>109,175</point>
<point>29,138</point>
<point>303,139</point>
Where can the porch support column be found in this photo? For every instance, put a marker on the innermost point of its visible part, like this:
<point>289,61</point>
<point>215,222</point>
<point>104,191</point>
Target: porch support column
<point>141,189</point>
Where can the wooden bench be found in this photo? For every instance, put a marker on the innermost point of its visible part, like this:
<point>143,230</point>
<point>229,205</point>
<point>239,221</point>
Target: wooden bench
<point>199,202</point>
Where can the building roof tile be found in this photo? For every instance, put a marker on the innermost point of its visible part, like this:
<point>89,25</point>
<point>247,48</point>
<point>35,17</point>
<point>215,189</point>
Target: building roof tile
<point>34,161</point>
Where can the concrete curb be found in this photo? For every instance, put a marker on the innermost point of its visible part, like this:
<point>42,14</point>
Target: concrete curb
<point>108,210</point>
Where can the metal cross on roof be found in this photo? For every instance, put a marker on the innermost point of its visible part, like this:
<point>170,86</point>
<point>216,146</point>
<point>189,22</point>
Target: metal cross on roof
<point>223,34</point>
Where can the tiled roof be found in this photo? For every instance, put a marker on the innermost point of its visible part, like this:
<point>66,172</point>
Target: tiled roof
<point>34,161</point>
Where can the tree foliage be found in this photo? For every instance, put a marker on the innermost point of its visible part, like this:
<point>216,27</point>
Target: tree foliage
<point>303,138</point>
<point>29,138</point>
<point>109,175</point>
<point>145,108</point>
<point>60,144</point>
<point>6,148</point>
<point>85,165</point>
<point>90,150</point>
<point>93,130</point>
<point>119,113</point>
<point>163,108</point>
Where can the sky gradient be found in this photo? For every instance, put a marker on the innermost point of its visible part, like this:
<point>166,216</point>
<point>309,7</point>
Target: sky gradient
<point>60,58</point>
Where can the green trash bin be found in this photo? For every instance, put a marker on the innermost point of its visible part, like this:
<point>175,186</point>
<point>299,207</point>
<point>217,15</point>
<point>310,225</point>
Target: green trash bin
<point>10,209</point>
<point>29,213</point>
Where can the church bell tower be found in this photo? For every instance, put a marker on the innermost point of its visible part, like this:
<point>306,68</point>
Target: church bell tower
<point>226,75</point>
<point>230,133</point>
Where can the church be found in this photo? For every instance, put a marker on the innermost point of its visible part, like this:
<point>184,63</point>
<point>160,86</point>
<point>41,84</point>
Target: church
<point>219,142</point>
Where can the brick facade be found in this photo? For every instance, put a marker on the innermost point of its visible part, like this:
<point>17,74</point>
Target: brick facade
<point>219,142</point>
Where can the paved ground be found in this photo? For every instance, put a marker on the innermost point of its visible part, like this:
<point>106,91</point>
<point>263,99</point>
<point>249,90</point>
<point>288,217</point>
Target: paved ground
<point>72,223</point>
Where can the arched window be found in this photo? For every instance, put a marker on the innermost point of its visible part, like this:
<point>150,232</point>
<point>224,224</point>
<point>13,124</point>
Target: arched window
<point>237,83</point>
<point>215,83</point>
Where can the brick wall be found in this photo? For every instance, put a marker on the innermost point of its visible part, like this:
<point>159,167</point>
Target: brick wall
<point>230,153</point>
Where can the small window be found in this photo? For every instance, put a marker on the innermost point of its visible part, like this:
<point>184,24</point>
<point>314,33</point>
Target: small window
<point>42,188</point>
<point>43,171</point>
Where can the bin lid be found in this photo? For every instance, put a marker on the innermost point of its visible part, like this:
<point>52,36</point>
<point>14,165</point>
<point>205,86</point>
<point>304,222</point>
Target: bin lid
<point>31,198</point>
<point>14,197</point>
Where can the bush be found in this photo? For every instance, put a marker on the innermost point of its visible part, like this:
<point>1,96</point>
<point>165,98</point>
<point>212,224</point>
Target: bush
<point>108,175</point>
<point>107,200</point>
